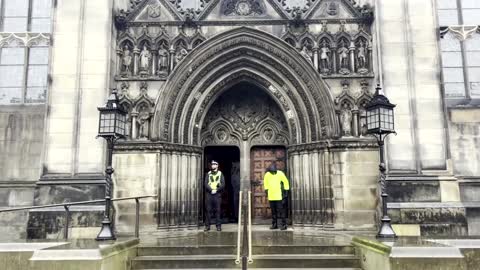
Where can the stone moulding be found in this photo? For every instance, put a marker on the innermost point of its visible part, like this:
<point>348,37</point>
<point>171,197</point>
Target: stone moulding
<point>357,144</point>
<point>162,147</point>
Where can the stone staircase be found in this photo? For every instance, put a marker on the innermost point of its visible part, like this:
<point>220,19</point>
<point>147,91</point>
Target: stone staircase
<point>266,254</point>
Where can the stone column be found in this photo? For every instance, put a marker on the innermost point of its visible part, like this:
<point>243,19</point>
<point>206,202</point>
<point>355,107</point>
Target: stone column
<point>172,58</point>
<point>154,61</point>
<point>352,56</point>
<point>315,56</point>
<point>355,128</point>
<point>119,61</point>
<point>136,52</point>
<point>334,60</point>
<point>134,125</point>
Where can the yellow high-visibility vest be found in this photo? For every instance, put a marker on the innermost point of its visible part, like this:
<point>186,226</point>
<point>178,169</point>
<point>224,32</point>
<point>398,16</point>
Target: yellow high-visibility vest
<point>214,180</point>
<point>272,183</point>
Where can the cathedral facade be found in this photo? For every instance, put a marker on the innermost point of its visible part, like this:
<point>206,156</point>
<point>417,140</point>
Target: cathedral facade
<point>247,83</point>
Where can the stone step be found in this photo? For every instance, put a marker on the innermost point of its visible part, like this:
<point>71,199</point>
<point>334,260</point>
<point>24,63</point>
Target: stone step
<point>283,261</point>
<point>349,268</point>
<point>186,250</point>
<point>288,249</point>
<point>229,249</point>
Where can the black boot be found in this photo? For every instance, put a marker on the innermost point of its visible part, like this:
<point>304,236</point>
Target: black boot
<point>283,227</point>
<point>207,228</point>
<point>274,226</point>
<point>219,228</point>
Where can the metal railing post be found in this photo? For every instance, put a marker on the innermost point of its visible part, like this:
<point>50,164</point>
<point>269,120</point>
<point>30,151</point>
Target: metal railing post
<point>137,217</point>
<point>239,229</point>
<point>250,259</point>
<point>67,221</point>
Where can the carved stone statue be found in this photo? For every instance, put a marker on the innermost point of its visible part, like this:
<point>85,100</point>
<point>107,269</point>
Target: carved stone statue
<point>346,122</point>
<point>182,53</point>
<point>143,125</point>
<point>325,58</point>
<point>362,59</point>
<point>145,57</point>
<point>343,57</point>
<point>305,52</point>
<point>162,61</point>
<point>126,61</point>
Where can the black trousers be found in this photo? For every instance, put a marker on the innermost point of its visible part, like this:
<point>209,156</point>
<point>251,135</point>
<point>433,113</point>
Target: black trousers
<point>213,203</point>
<point>278,212</point>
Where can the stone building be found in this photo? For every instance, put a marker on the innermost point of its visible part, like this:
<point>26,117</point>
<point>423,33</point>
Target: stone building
<point>246,82</point>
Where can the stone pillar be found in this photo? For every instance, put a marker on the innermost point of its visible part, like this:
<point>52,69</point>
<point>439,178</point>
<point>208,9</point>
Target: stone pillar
<point>136,52</point>
<point>134,125</point>
<point>315,56</point>
<point>352,56</point>
<point>334,60</point>
<point>355,128</point>
<point>172,58</point>
<point>119,61</point>
<point>154,61</point>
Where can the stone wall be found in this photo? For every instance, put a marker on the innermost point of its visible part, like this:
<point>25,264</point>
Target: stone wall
<point>174,177</point>
<point>21,144</point>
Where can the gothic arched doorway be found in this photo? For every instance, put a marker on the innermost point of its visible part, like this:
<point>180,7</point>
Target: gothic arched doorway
<point>245,116</point>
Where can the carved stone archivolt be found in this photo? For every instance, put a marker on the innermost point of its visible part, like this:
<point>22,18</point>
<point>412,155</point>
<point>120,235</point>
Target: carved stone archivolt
<point>233,118</point>
<point>251,51</point>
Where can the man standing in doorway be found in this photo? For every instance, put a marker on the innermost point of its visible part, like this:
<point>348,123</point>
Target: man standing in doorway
<point>214,185</point>
<point>276,186</point>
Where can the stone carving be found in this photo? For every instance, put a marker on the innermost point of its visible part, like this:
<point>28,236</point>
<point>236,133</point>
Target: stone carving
<point>145,58</point>
<point>343,59</point>
<point>346,121</point>
<point>325,66</point>
<point>242,8</point>
<point>126,61</point>
<point>307,54</point>
<point>154,11</point>
<point>362,59</point>
<point>332,9</point>
<point>162,61</point>
<point>245,117</point>
<point>180,55</point>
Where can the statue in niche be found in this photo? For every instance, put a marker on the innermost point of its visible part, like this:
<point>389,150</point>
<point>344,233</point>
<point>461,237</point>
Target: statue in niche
<point>343,57</point>
<point>325,58</point>
<point>145,57</point>
<point>346,121</point>
<point>180,55</point>
<point>126,61</point>
<point>143,124</point>
<point>362,58</point>
<point>162,61</point>
<point>305,52</point>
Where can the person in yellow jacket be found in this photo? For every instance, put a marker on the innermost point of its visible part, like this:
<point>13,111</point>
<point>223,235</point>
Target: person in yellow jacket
<point>276,186</point>
<point>214,184</point>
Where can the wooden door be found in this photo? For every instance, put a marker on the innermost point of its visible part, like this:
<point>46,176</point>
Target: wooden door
<point>260,159</point>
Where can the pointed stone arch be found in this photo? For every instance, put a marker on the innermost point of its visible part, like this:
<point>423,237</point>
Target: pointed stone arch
<point>244,54</point>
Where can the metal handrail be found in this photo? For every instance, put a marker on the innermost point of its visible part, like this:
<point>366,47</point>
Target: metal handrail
<point>239,230</point>
<point>67,210</point>
<point>250,258</point>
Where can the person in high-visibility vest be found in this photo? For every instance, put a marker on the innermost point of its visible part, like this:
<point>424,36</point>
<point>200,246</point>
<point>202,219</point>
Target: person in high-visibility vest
<point>276,186</point>
<point>214,185</point>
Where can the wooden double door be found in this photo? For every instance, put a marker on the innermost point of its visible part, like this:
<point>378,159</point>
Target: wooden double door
<point>260,159</point>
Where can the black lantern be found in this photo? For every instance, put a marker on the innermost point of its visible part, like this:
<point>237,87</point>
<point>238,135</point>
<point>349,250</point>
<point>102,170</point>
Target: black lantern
<point>113,118</point>
<point>380,123</point>
<point>380,119</point>
<point>111,126</point>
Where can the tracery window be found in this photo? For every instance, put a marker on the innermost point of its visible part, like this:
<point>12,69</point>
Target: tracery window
<point>459,22</point>
<point>24,50</point>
